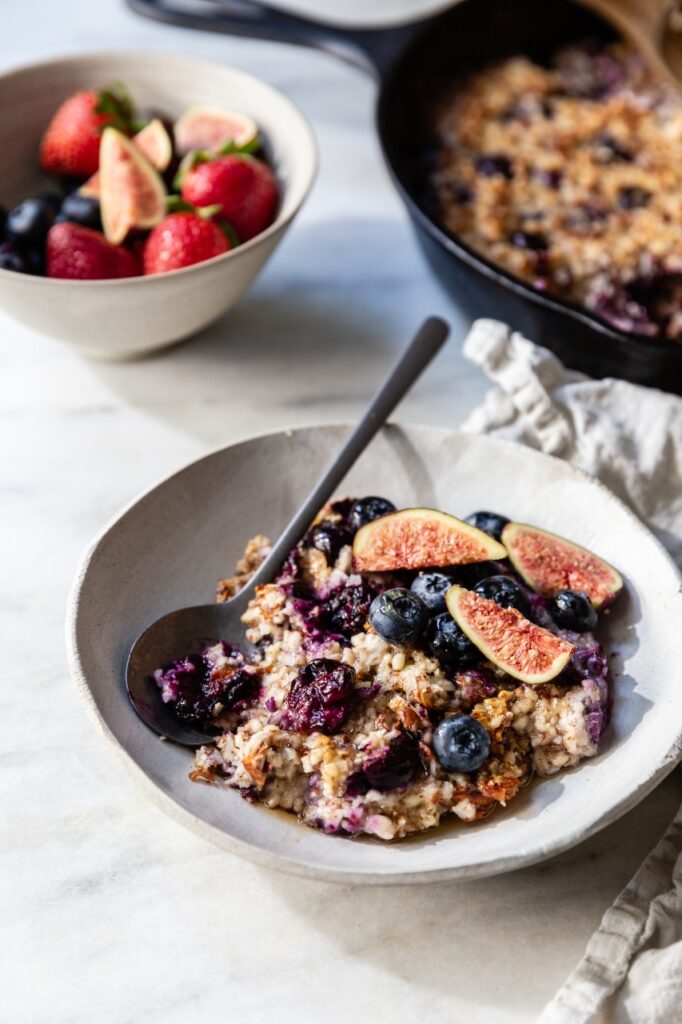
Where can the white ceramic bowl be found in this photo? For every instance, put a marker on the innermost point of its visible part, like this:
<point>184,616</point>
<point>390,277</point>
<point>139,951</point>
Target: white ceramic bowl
<point>123,318</point>
<point>166,551</point>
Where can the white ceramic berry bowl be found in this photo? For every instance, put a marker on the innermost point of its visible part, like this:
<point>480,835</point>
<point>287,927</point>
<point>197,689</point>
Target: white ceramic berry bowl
<point>128,317</point>
<point>156,557</point>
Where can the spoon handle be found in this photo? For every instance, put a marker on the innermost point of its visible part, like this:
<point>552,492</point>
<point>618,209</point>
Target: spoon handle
<point>428,340</point>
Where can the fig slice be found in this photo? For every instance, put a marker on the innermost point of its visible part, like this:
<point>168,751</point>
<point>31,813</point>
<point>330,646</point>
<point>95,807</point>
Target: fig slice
<point>132,194</point>
<point>523,650</point>
<point>210,128</point>
<point>549,563</point>
<point>153,141</point>
<point>421,538</point>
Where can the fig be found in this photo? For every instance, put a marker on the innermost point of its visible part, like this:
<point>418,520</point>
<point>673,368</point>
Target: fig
<point>507,639</point>
<point>153,141</point>
<point>549,563</point>
<point>132,195</point>
<point>420,538</point>
<point>210,128</point>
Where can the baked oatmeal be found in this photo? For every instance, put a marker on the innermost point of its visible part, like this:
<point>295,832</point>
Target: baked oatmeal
<point>569,177</point>
<point>369,708</point>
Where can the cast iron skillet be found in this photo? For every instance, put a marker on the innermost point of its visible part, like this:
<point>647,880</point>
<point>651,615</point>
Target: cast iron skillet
<point>414,63</point>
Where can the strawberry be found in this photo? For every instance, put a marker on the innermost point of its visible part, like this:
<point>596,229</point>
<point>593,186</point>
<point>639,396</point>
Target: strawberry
<point>243,187</point>
<point>81,254</point>
<point>70,145</point>
<point>180,240</point>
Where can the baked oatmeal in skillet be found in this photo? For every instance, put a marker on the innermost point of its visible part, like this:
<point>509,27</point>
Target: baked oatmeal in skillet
<point>387,693</point>
<point>569,177</point>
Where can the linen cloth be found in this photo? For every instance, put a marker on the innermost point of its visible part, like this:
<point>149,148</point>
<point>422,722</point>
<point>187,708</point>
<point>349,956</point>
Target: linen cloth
<point>630,437</point>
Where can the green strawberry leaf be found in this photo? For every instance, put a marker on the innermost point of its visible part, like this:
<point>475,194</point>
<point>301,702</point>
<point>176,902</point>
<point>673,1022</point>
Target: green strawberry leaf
<point>228,148</point>
<point>116,104</point>
<point>176,204</point>
<point>232,235</point>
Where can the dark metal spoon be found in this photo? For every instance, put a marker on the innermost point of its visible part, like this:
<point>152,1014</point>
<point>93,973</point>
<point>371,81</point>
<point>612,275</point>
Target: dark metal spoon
<point>175,634</point>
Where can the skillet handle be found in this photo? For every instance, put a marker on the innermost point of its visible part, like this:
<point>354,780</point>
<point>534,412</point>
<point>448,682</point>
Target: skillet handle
<point>372,50</point>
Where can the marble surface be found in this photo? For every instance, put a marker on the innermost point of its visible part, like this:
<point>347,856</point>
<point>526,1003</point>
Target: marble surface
<point>111,913</point>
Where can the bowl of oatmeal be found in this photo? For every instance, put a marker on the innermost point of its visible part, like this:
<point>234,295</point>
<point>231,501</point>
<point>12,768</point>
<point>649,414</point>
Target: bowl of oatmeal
<point>349,760</point>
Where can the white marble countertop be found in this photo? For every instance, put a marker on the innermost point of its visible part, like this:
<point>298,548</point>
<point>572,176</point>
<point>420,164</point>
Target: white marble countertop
<point>111,913</point>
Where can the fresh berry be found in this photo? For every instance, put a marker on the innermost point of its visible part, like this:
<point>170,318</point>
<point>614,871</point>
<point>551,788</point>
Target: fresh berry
<point>70,145</point>
<point>506,592</point>
<point>446,642</point>
<point>82,254</point>
<point>391,767</point>
<point>329,538</point>
<point>10,260</point>
<point>320,697</point>
<point>180,240</point>
<point>490,522</point>
<point>461,744</point>
<point>243,187</point>
<point>398,616</point>
<point>29,222</point>
<point>3,222</point>
<point>573,610</point>
<point>431,588</point>
<point>80,209</point>
<point>53,200</point>
<point>366,510</point>
<point>35,260</point>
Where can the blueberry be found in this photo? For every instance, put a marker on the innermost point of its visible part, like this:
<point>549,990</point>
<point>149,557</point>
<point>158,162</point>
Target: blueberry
<point>194,689</point>
<point>3,222</point>
<point>12,261</point>
<point>29,222</point>
<point>345,610</point>
<point>35,261</point>
<point>431,588</point>
<point>398,616</point>
<point>80,209</point>
<point>529,240</point>
<point>446,642</point>
<point>320,697</point>
<point>329,538</point>
<point>506,592</point>
<point>392,767</point>
<point>490,522</point>
<point>610,150</point>
<point>461,744</point>
<point>52,200</point>
<point>491,165</point>
<point>632,197</point>
<point>366,510</point>
<point>573,610</point>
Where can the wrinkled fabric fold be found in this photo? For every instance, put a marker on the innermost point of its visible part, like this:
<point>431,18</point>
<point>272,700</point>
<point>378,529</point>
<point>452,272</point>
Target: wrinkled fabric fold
<point>630,438</point>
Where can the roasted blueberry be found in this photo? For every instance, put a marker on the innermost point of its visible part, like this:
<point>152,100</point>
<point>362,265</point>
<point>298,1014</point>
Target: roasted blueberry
<point>632,197</point>
<point>431,588</point>
<point>29,222</point>
<point>320,697</point>
<point>80,209</point>
<point>196,689</point>
<point>489,522</point>
<point>461,744</point>
<point>491,165</point>
<point>506,592</point>
<point>573,610</point>
<point>329,538</point>
<point>398,616</point>
<point>533,240</point>
<point>345,611</point>
<point>392,767</point>
<point>10,260</point>
<point>366,510</point>
<point>446,642</point>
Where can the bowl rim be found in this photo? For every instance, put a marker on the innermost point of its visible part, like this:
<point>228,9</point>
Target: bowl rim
<point>279,223</point>
<point>276,860</point>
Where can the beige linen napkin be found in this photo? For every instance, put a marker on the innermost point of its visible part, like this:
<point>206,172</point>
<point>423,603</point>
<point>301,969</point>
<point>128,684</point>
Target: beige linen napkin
<point>631,439</point>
